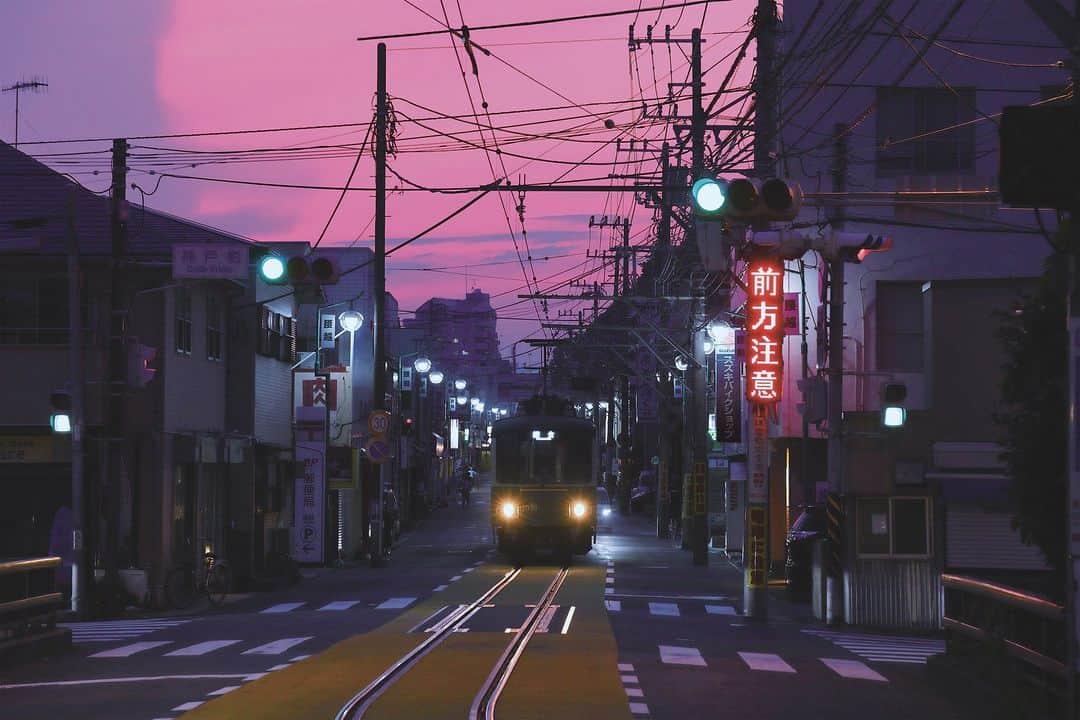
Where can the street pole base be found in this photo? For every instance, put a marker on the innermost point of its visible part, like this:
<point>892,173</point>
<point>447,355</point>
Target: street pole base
<point>755,603</point>
<point>834,613</point>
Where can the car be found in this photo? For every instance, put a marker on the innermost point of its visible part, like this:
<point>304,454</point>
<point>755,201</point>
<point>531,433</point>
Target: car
<point>810,526</point>
<point>604,511</point>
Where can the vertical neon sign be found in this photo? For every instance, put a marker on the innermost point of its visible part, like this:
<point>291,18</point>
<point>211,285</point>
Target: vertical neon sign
<point>764,331</point>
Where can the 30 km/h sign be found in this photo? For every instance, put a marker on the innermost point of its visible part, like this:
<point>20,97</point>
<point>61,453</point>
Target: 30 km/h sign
<point>378,422</point>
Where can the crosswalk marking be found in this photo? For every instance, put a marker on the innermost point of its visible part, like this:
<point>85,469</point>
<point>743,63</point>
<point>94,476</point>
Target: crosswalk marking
<point>883,648</point>
<point>719,610</point>
<point>634,692</point>
<point>188,706</point>
<point>276,647</point>
<point>613,605</point>
<point>626,667</point>
<point>201,648</point>
<point>639,708</point>
<point>225,690</point>
<point>852,669</point>
<point>440,588</point>
<point>339,605</point>
<point>110,630</point>
<point>396,603</point>
<point>282,608</point>
<point>678,655</point>
<point>629,679</point>
<point>766,661</point>
<point>668,609</point>
<point>129,650</point>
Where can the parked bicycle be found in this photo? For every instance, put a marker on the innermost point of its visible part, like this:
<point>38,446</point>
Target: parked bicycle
<point>182,585</point>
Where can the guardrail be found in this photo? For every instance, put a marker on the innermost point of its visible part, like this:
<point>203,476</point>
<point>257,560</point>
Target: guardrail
<point>1028,629</point>
<point>28,601</point>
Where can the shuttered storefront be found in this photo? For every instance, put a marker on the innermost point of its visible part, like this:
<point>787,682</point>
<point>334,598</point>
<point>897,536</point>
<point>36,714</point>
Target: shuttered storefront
<point>985,539</point>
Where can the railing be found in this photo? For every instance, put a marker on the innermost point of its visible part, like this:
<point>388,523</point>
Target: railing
<point>28,601</point>
<point>1030,630</point>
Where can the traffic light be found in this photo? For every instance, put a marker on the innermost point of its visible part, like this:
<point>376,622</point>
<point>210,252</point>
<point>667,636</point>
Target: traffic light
<point>141,365</point>
<point>60,418</point>
<point>893,412</point>
<point>406,425</point>
<point>298,270</point>
<point>746,199</point>
<point>708,196</point>
<point>815,394</point>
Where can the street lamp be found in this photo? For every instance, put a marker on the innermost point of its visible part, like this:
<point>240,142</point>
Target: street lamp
<point>681,364</point>
<point>351,320</point>
<point>422,365</point>
<point>461,384</point>
<point>436,377</point>
<point>722,334</point>
<point>462,399</point>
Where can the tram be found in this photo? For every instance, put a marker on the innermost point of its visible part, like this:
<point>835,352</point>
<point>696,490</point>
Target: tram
<point>544,490</point>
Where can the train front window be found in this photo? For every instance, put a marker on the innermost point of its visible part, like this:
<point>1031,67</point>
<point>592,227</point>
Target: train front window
<point>544,457</point>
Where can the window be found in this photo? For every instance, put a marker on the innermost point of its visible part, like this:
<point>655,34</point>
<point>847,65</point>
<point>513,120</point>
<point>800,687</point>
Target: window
<point>277,338</point>
<point>183,320</point>
<point>34,310</point>
<point>904,113</point>
<point>899,316</point>
<point>213,327</point>
<point>893,527</point>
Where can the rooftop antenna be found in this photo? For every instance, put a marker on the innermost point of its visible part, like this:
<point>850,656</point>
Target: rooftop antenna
<point>34,85</point>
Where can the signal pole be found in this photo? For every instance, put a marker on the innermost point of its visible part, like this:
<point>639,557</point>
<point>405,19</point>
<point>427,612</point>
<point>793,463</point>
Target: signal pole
<point>379,360</point>
<point>78,396</point>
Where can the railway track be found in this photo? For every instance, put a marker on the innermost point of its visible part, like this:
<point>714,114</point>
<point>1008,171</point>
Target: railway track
<point>483,706</point>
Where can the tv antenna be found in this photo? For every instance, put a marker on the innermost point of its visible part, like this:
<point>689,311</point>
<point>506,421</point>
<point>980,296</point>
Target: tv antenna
<point>33,85</point>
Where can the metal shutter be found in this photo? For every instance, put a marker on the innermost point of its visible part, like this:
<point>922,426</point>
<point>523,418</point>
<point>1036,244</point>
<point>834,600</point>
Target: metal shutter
<point>978,539</point>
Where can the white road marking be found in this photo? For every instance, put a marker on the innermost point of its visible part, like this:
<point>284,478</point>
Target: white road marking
<point>224,691</point>
<point>282,608</point>
<point>639,708</point>
<point>478,563</point>
<point>609,591</point>
<point>201,648</point>
<point>626,667</point>
<point>129,650</point>
<point>396,603</point>
<point>468,570</point>
<point>545,620</point>
<point>719,610</point>
<point>130,679</point>
<point>679,655</point>
<point>569,618</point>
<point>298,658</point>
<point>450,617</point>
<point>668,609</point>
<point>277,647</point>
<point>634,692</point>
<point>455,578</point>
<point>440,588</point>
<point>188,706</point>
<point>629,679</point>
<point>339,605</point>
<point>671,597</point>
<point>883,648</point>
<point>423,622</point>
<point>852,669</point>
<point>282,666</point>
<point>609,580</point>
<point>613,605</point>
<point>766,661</point>
<point>110,630</point>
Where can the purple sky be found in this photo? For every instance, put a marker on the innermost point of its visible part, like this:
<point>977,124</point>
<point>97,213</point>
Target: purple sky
<point>129,67</point>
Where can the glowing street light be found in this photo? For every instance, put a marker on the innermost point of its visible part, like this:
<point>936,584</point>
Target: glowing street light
<point>436,377</point>
<point>681,364</point>
<point>462,399</point>
<point>351,320</point>
<point>422,365</point>
<point>460,384</point>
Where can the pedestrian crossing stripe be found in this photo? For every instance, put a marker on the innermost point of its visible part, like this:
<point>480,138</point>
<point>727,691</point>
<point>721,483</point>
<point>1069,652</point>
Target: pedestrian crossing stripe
<point>275,647</point>
<point>112,630</point>
<point>883,648</point>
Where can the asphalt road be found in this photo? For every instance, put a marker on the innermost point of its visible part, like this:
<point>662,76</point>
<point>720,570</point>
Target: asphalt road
<point>673,631</point>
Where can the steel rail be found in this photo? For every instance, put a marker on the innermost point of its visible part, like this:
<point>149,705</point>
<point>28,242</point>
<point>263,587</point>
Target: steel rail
<point>483,707</point>
<point>355,708</point>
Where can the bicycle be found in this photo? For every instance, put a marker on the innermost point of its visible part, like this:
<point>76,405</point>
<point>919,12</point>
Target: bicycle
<point>182,586</point>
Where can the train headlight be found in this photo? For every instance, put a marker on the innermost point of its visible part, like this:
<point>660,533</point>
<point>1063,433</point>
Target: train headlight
<point>508,510</point>
<point>578,509</point>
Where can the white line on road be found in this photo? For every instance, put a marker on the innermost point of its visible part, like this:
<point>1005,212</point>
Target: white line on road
<point>768,662</point>
<point>298,658</point>
<point>129,650</point>
<point>201,648</point>
<point>626,667</point>
<point>639,708</point>
<point>634,692</point>
<point>282,666</point>
<point>468,569</point>
<point>613,605</point>
<point>668,609</point>
<point>679,655</point>
<point>134,678</point>
<point>671,597</point>
<point>188,706</point>
<point>455,578</point>
<point>629,679</point>
<point>719,610</point>
<point>569,618</point>
<point>276,647</point>
<point>440,588</point>
<point>224,691</point>
<point>423,622</point>
<point>396,603</point>
<point>852,669</point>
<point>339,605</point>
<point>282,608</point>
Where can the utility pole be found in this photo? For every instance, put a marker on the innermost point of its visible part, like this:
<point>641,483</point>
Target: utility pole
<point>663,248</point>
<point>379,331</point>
<point>78,387</point>
<point>755,590</point>
<point>31,85</point>
<point>116,416</point>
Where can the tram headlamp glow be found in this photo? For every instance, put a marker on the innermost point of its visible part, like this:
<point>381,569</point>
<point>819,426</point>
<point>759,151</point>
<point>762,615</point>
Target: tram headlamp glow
<point>508,510</point>
<point>578,509</point>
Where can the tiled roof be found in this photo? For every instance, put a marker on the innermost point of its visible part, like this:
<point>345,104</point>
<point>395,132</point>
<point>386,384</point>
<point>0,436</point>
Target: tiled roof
<point>30,190</point>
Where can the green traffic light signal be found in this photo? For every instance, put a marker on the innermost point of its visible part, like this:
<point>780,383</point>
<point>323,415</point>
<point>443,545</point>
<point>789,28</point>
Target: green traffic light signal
<point>272,269</point>
<point>708,196</point>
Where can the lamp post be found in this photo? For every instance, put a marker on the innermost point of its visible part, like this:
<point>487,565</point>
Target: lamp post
<point>350,321</point>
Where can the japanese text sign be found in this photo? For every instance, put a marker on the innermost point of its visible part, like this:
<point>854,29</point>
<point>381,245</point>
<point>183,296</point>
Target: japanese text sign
<point>764,330</point>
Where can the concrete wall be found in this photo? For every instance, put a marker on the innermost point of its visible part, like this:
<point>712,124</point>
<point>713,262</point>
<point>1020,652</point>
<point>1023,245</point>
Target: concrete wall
<point>194,385</point>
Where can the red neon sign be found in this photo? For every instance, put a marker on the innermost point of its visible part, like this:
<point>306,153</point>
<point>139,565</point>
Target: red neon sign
<point>765,330</point>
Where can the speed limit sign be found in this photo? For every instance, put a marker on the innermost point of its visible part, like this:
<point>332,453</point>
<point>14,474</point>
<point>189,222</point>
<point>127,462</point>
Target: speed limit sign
<point>378,422</point>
